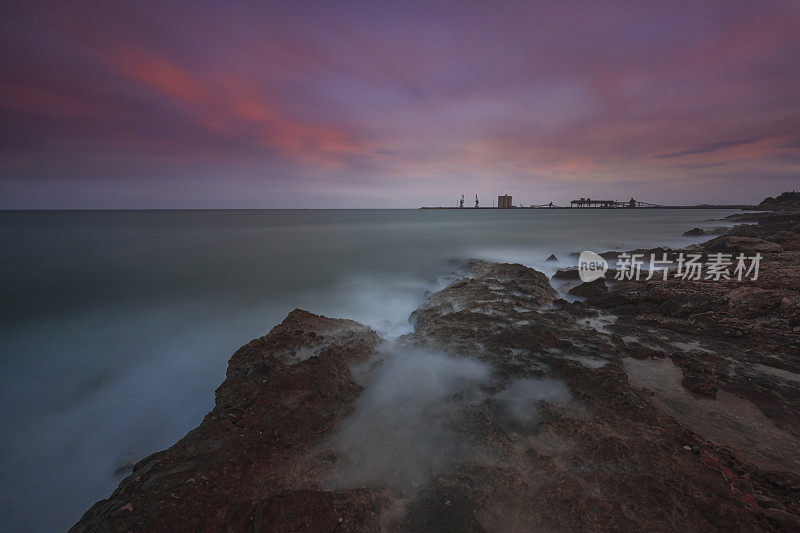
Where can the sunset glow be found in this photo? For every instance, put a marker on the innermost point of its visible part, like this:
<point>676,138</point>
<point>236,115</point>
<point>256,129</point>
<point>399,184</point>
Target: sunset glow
<point>296,104</point>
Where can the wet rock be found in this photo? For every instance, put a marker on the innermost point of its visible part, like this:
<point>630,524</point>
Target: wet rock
<point>255,447</point>
<point>590,288</point>
<point>567,274</point>
<point>736,244</point>
<point>785,519</point>
<point>744,217</point>
<point>779,221</point>
<point>311,510</point>
<point>750,302</point>
<point>769,503</point>
<point>700,377</point>
<point>717,230</point>
<point>499,291</point>
<point>698,232</point>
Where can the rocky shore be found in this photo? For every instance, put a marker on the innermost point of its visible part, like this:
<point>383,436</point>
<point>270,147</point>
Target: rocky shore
<point>518,403</point>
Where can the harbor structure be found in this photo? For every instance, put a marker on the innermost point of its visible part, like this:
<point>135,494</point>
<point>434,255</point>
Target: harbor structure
<point>505,202</point>
<point>588,202</point>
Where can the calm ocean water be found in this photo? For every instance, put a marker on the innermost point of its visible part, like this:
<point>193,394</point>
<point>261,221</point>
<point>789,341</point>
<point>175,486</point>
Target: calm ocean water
<point>117,325</point>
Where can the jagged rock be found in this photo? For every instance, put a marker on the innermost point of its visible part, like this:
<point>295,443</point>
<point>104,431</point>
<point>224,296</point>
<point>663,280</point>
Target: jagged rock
<point>484,289</point>
<point>552,258</point>
<point>694,232</point>
<point>744,217</point>
<point>567,274</point>
<point>552,342</point>
<point>717,230</point>
<point>736,244</point>
<point>256,447</point>
<point>787,201</point>
<point>590,288</point>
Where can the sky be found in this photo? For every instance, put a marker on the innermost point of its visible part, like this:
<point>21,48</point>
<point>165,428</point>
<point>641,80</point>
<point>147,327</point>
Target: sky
<point>202,104</point>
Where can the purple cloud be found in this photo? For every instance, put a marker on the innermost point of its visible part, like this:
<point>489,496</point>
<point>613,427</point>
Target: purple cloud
<point>400,103</point>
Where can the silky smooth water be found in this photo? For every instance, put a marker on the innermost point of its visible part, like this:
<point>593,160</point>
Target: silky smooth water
<point>117,325</point>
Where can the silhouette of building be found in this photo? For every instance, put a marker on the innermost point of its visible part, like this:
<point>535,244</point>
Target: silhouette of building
<point>504,201</point>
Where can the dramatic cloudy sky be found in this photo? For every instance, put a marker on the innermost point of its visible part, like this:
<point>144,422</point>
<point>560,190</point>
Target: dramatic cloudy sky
<point>395,104</point>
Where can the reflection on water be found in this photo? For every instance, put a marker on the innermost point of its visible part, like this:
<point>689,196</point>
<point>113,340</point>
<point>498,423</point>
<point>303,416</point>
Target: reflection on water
<point>727,420</point>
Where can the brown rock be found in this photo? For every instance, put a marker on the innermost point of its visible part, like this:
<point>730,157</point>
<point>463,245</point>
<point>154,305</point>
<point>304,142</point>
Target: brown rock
<point>255,446</point>
<point>567,274</point>
<point>787,202</point>
<point>785,519</point>
<point>769,503</point>
<point>736,244</point>
<point>589,289</point>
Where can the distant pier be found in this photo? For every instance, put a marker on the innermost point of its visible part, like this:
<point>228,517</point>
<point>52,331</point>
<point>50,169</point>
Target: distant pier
<point>504,202</point>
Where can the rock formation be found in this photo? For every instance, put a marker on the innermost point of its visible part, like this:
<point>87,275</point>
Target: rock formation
<point>650,405</point>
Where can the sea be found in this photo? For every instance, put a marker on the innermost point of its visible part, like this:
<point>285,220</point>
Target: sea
<point>116,326</point>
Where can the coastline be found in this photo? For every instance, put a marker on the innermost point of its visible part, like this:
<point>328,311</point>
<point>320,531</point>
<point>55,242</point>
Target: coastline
<point>601,440</point>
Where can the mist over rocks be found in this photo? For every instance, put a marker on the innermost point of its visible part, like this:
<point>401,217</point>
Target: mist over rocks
<point>247,466</point>
<point>651,405</point>
<point>399,434</point>
<point>522,397</point>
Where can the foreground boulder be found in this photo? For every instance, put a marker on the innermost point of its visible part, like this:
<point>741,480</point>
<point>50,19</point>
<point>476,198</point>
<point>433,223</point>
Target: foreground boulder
<point>249,464</point>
